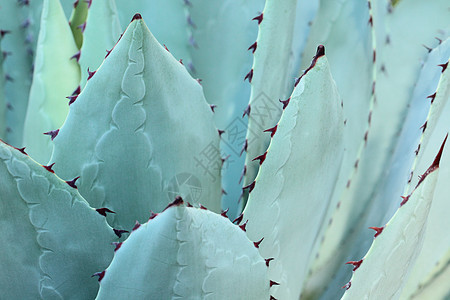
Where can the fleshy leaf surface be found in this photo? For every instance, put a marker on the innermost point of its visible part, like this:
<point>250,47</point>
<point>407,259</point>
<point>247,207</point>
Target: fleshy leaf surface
<point>295,182</point>
<point>55,77</point>
<point>52,240</point>
<point>140,133</point>
<point>186,253</point>
<point>382,272</point>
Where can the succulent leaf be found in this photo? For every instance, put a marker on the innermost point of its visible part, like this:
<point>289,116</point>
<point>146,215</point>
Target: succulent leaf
<point>100,35</point>
<point>55,76</point>
<point>437,240</point>
<point>186,253</point>
<point>145,87</point>
<point>45,224</point>
<point>17,67</point>
<point>295,182</point>
<point>269,78</point>
<point>78,21</point>
<point>223,31</point>
<point>387,263</point>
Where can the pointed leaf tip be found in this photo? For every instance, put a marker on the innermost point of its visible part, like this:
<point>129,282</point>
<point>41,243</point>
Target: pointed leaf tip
<point>320,51</point>
<point>435,164</point>
<point>136,17</point>
<point>177,202</point>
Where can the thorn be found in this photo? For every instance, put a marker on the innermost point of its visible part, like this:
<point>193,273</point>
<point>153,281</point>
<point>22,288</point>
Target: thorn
<point>220,132</point>
<point>52,133</point>
<point>100,275</point>
<point>244,148</point>
<point>9,78</point>
<point>243,226</point>
<point>5,54</point>
<point>190,22</point>
<point>136,17</point>
<point>82,27</point>
<point>189,204</point>
<point>25,24</point>
<point>4,32</point>
<point>224,213</point>
<point>253,47</point>
<point>428,48</point>
<point>76,56</point>
<point>49,168</point>
<point>71,183</point>
<point>177,202</point>
<point>165,47</point>
<point>405,199</point>
<point>244,171</point>
<point>199,81</point>
<point>117,245</point>
<point>371,21</point>
<point>258,243</point>
<point>75,4</point>
<point>250,187</point>
<point>108,52</point>
<point>259,18</point>
<point>272,298</point>
<point>439,40</point>
<point>424,126</point>
<point>192,41</point>
<point>238,219</point>
<point>225,159</point>
<point>72,99</point>
<point>181,61</point>
<point>104,210</point>
<point>90,74</point>
<point>347,286</point>
<point>213,107</point>
<point>268,260</point>
<point>356,264</point>
<point>272,283</point>
<point>443,66</point>
<point>432,97</point>
<point>89,2</point>
<point>247,111</point>
<point>272,130</point>
<point>119,232</point>
<point>285,102</point>
<point>378,230</point>
<point>261,158</point>
<point>202,207</point>
<point>153,215</point>
<point>224,192</point>
<point>136,226</point>
<point>77,91</point>
<point>22,150</point>
<point>249,76</point>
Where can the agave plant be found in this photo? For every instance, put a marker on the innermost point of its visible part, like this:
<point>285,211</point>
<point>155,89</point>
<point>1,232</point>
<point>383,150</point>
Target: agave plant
<point>182,166</point>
